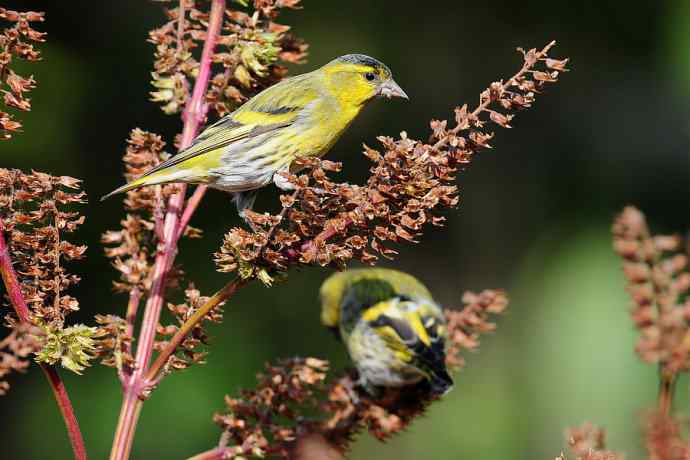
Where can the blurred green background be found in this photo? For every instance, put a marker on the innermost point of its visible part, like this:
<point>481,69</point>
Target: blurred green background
<point>534,216</point>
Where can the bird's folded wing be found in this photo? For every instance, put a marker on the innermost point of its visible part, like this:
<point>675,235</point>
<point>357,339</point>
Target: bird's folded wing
<point>221,134</point>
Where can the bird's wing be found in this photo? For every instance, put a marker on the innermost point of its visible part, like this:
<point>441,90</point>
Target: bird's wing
<point>274,108</point>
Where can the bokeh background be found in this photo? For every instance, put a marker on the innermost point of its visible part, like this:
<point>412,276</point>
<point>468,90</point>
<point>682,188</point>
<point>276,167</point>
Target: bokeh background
<point>534,217</point>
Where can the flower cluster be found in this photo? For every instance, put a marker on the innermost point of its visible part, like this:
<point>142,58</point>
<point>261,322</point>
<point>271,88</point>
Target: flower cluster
<point>15,42</point>
<point>292,402</point>
<point>588,442</point>
<point>659,283</point>
<point>328,223</point>
<point>132,249</point>
<point>37,210</point>
<point>265,420</point>
<point>248,54</point>
<point>15,352</point>
<point>251,53</point>
<point>466,325</point>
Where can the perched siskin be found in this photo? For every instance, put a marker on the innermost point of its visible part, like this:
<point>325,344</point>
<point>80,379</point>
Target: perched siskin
<point>394,331</point>
<point>302,116</point>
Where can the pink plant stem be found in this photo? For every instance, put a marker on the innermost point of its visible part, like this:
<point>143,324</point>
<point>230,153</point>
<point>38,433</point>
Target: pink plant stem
<point>14,292</point>
<point>192,204</point>
<point>194,116</point>
<point>9,277</point>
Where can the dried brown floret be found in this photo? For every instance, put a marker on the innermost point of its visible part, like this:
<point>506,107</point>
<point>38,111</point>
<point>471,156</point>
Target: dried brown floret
<point>588,442</point>
<point>466,325</point>
<point>132,249</point>
<point>15,352</point>
<point>250,54</point>
<point>265,421</point>
<point>115,343</point>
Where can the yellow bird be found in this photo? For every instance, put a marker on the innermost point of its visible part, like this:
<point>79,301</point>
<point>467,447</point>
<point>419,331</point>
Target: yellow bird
<point>395,332</point>
<point>302,116</point>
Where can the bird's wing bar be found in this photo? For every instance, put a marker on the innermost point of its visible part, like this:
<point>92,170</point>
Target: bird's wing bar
<point>216,136</point>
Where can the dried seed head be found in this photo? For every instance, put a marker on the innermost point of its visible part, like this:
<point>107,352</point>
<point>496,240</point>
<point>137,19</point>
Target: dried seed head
<point>659,284</point>
<point>411,184</point>
<point>15,42</point>
<point>37,212</point>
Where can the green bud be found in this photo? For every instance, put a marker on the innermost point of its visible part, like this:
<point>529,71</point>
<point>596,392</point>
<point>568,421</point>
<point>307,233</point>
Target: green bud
<point>73,347</point>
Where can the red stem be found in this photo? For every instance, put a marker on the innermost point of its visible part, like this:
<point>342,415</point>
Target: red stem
<point>14,292</point>
<point>9,277</point>
<point>194,116</point>
<point>325,235</point>
<point>192,204</point>
<point>67,411</point>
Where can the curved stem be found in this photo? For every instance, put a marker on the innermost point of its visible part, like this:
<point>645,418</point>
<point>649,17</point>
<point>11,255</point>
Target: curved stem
<point>14,292</point>
<point>219,297</point>
<point>67,411</point>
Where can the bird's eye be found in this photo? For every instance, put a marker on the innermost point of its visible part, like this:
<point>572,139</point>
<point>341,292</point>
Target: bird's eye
<point>370,76</point>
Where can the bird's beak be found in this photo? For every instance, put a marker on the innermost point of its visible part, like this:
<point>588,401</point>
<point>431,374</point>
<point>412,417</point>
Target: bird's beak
<point>390,89</point>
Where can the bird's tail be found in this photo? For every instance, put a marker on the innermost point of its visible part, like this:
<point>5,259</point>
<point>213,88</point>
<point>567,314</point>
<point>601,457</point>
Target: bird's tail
<point>441,382</point>
<point>140,182</point>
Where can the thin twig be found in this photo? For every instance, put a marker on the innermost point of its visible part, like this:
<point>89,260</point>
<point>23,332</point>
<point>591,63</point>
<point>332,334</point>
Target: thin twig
<point>219,297</point>
<point>130,318</point>
<point>484,104</point>
<point>192,204</point>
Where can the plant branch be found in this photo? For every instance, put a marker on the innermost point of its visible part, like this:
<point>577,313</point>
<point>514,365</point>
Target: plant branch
<point>192,204</point>
<point>14,292</point>
<point>219,297</point>
<point>345,220</point>
<point>485,102</point>
<point>194,115</point>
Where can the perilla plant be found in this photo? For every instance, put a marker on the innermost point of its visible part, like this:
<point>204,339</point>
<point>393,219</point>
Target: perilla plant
<point>208,61</point>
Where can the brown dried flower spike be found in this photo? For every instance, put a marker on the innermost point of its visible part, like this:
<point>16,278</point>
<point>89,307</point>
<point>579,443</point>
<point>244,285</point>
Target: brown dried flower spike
<point>36,211</point>
<point>15,42</point>
<point>659,284</point>
<point>328,223</point>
